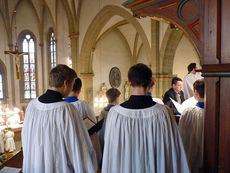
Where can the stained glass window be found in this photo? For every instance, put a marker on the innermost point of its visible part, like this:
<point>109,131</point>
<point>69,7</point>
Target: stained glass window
<point>1,87</point>
<point>52,50</point>
<point>29,67</point>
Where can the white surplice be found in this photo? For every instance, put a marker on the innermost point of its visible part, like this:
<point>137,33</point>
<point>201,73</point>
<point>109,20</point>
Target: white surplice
<point>188,81</point>
<point>191,127</point>
<point>157,100</point>
<point>143,141</point>
<point>85,110</point>
<point>54,139</point>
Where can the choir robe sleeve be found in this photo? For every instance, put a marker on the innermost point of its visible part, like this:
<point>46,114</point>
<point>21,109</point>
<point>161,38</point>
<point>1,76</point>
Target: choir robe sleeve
<point>143,140</point>
<point>78,142</point>
<point>191,127</point>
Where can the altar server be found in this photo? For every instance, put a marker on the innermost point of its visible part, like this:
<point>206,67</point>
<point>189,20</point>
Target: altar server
<point>54,138</point>
<point>189,79</point>
<point>191,126</point>
<point>140,134</point>
<point>85,112</point>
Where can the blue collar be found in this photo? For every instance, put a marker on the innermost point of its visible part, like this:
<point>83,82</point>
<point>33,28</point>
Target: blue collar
<point>107,108</point>
<point>200,105</point>
<point>149,94</point>
<point>71,99</point>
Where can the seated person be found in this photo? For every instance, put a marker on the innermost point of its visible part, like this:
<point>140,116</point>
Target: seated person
<point>112,95</point>
<point>191,127</point>
<point>140,135</point>
<point>151,87</point>
<point>175,93</point>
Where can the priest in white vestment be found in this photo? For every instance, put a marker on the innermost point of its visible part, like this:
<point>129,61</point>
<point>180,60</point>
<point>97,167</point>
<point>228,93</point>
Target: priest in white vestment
<point>189,79</point>
<point>54,138</point>
<point>85,112</point>
<point>191,126</point>
<point>141,135</point>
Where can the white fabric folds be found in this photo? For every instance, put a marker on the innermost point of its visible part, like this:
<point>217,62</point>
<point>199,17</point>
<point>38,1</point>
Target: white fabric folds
<point>143,140</point>
<point>55,139</point>
<point>191,126</point>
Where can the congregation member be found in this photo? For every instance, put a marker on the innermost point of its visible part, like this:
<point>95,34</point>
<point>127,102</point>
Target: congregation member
<point>112,95</point>
<point>141,135</point>
<point>189,79</point>
<point>85,112</point>
<point>54,138</point>
<point>175,93</point>
<point>191,126</point>
<point>151,87</point>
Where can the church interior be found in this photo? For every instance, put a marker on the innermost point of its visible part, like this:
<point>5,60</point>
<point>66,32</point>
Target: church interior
<point>100,36</point>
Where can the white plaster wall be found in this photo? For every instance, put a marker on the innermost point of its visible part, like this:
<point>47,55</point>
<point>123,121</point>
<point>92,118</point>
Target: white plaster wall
<point>27,20</point>
<point>143,58</point>
<point>63,40</point>
<point>129,32</point>
<point>162,30</point>
<point>48,23</point>
<point>185,54</point>
<point>95,6</point>
<point>110,51</point>
<point>110,23</point>
<point>3,42</point>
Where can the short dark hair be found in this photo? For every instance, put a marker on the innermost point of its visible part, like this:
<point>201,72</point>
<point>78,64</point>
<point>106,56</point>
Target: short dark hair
<point>191,66</point>
<point>175,80</point>
<point>140,75</point>
<point>198,85</point>
<point>61,73</point>
<point>112,94</point>
<point>77,85</point>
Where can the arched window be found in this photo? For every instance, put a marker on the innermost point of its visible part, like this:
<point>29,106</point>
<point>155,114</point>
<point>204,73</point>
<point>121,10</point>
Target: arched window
<point>1,87</point>
<point>29,66</point>
<point>52,49</point>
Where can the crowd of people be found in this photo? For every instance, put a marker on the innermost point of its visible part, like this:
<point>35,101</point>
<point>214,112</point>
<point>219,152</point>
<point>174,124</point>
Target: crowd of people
<point>139,135</point>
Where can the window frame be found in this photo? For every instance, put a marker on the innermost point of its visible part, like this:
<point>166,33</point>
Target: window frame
<point>49,36</point>
<point>21,38</point>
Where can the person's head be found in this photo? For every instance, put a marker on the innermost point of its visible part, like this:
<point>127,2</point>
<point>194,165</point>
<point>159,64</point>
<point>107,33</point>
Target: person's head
<point>192,68</point>
<point>198,87</point>
<point>151,85</point>
<point>140,75</point>
<point>112,95</point>
<point>177,84</point>
<point>77,85</point>
<point>62,77</point>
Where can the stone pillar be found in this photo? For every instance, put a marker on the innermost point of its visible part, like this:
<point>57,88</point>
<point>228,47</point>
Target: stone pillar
<point>163,83</point>
<point>11,78</point>
<point>87,87</point>
<point>40,64</point>
<point>74,37</point>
